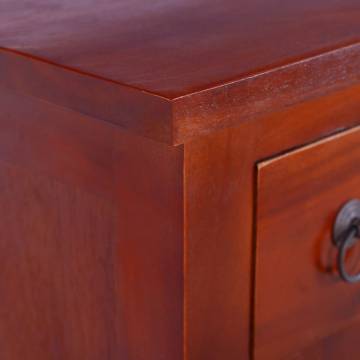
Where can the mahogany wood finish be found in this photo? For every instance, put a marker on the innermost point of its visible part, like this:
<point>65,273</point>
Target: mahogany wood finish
<point>150,153</point>
<point>141,44</point>
<point>299,298</point>
<point>91,238</point>
<point>220,185</point>
<point>182,67</point>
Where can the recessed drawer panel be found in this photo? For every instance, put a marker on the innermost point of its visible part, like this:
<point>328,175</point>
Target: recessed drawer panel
<point>302,305</point>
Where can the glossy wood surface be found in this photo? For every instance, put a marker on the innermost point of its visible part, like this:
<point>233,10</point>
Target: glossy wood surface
<point>219,200</point>
<point>169,269</point>
<point>98,160</point>
<point>91,238</point>
<point>176,47</point>
<point>131,110</point>
<point>175,70</point>
<point>299,297</point>
<point>208,111</point>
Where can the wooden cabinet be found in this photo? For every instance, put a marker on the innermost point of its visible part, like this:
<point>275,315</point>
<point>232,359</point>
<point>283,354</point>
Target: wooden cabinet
<point>90,238</point>
<point>170,177</point>
<point>300,301</point>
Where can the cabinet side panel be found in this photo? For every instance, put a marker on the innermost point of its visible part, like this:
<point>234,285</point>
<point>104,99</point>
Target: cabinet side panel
<point>218,230</point>
<point>91,223</point>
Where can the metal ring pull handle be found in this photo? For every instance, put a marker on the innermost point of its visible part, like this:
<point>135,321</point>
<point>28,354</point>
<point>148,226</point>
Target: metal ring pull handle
<point>346,244</point>
<point>345,235</point>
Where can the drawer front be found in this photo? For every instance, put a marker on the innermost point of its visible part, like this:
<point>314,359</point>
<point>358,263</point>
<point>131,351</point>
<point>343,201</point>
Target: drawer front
<point>303,309</point>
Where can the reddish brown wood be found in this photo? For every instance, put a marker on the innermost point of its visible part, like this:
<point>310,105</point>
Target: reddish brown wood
<point>175,70</point>
<point>299,298</point>
<point>219,183</point>
<point>210,110</point>
<point>57,146</point>
<point>119,246</point>
<point>218,209</point>
<point>132,110</point>
<point>173,48</point>
<point>91,238</point>
<point>335,346</point>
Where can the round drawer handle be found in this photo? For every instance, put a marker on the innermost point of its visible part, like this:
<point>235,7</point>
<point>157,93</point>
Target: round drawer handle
<point>346,234</point>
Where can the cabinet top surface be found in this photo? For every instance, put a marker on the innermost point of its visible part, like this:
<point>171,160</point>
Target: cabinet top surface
<point>173,48</point>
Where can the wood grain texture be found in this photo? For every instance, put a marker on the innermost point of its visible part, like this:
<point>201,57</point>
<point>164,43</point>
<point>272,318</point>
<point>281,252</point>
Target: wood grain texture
<point>219,187</point>
<point>58,265</point>
<point>104,162</point>
<point>299,297</point>
<point>91,249</point>
<point>137,112</point>
<point>226,106</point>
<point>218,184</point>
<point>175,70</point>
<point>168,270</point>
<point>335,346</point>
<point>173,48</point>
<point>59,151</point>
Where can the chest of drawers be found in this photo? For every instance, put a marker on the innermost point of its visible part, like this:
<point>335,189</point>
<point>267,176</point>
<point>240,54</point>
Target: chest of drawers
<point>179,180</point>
